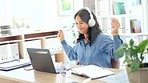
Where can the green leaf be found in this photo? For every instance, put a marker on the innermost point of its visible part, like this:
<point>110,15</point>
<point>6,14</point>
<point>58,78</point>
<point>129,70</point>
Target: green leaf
<point>133,53</point>
<point>127,60</point>
<point>134,66</point>
<point>121,50</point>
<point>131,42</point>
<point>142,46</point>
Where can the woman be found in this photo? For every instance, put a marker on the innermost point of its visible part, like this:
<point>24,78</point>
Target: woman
<point>92,47</point>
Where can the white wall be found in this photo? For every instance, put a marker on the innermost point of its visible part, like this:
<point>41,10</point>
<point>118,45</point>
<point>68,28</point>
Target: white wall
<point>45,13</point>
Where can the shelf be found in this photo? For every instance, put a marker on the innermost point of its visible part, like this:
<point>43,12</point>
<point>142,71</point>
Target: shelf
<point>40,34</point>
<point>11,38</point>
<point>107,9</point>
<point>130,34</point>
<point>23,41</point>
<point>113,16</point>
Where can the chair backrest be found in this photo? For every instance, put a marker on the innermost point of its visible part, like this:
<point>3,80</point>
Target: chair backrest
<point>115,63</point>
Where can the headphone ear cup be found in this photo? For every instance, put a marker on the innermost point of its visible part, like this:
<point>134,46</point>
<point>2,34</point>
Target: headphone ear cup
<point>91,22</point>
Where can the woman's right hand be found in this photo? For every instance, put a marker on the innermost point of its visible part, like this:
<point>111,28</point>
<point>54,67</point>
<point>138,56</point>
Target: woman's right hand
<point>61,35</point>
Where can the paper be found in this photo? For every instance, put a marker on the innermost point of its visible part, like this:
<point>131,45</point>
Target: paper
<point>91,71</point>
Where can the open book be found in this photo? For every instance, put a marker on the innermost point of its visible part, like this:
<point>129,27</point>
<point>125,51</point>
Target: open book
<point>91,71</point>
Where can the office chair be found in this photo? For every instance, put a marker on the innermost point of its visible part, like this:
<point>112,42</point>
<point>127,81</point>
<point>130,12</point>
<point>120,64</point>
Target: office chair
<point>115,63</point>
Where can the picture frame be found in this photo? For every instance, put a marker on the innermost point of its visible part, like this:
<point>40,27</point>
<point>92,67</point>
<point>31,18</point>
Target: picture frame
<point>65,7</point>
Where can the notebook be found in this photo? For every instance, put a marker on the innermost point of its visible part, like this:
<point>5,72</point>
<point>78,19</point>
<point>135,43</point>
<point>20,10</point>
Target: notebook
<point>91,71</point>
<point>41,60</point>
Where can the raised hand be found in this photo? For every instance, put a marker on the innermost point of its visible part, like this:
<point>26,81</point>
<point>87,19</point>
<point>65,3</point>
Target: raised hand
<point>61,35</point>
<point>115,26</point>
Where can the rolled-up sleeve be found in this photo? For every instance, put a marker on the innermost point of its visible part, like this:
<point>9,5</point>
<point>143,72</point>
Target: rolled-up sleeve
<point>69,50</point>
<point>110,46</point>
<point>117,43</point>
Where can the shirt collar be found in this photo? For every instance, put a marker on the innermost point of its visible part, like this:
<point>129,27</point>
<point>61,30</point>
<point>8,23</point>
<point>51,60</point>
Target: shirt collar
<point>82,42</point>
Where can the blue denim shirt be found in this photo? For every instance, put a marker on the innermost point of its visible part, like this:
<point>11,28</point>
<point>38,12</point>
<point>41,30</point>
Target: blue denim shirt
<point>99,53</point>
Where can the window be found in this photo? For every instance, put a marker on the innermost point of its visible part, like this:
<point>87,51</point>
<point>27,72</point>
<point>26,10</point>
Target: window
<point>24,13</point>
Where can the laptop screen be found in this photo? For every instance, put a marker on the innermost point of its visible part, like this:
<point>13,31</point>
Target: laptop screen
<point>41,60</point>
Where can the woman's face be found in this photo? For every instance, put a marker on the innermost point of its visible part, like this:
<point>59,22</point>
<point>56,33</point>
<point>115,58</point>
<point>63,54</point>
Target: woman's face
<point>82,26</point>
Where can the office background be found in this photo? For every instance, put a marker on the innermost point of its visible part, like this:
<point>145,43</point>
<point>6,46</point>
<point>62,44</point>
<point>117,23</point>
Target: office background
<point>26,16</point>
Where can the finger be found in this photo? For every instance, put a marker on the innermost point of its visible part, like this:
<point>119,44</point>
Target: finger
<point>60,31</point>
<point>115,25</point>
<point>115,21</point>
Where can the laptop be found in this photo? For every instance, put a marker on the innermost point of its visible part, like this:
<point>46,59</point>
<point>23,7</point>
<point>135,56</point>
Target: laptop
<point>41,60</point>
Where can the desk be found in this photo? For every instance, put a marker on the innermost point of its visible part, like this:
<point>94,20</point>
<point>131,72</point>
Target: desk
<point>32,76</point>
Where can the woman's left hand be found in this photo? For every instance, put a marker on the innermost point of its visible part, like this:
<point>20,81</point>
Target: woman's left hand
<point>115,26</point>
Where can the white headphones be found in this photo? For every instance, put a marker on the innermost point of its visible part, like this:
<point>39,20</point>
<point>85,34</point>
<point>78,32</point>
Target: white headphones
<point>91,21</point>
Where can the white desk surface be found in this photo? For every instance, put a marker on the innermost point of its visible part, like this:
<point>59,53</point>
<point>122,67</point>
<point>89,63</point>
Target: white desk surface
<point>32,76</point>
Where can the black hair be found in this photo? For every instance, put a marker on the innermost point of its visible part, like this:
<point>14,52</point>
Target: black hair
<point>92,31</point>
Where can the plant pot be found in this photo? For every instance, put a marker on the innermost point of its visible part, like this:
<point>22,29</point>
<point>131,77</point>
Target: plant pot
<point>139,76</point>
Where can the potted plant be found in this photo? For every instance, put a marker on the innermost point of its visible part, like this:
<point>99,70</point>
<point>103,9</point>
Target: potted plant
<point>137,69</point>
